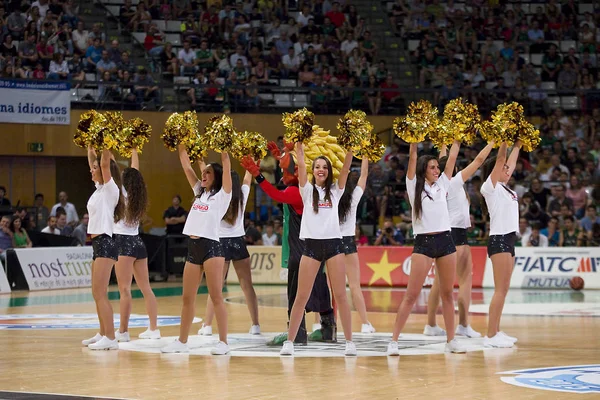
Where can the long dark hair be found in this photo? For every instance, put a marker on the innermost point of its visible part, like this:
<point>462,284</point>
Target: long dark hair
<point>328,183</point>
<point>115,173</point>
<point>12,224</point>
<point>237,200</point>
<point>422,163</point>
<point>217,183</point>
<point>346,200</point>
<point>442,164</point>
<point>137,196</point>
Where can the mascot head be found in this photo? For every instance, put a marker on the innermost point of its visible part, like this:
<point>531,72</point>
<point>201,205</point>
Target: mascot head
<point>288,164</point>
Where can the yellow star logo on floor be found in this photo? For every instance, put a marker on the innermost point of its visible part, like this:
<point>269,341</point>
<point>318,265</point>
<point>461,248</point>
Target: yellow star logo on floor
<point>382,270</point>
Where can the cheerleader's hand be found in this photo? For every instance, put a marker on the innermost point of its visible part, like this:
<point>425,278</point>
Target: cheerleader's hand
<point>250,166</point>
<point>300,150</point>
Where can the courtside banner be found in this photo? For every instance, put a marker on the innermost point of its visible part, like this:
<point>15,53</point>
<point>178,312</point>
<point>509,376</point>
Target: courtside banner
<point>265,264</point>
<point>33,102</point>
<point>4,285</point>
<point>551,267</point>
<point>390,266</point>
<point>56,267</point>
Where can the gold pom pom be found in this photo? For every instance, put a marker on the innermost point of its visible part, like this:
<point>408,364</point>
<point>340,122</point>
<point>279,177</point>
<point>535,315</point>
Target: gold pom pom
<point>299,125</point>
<point>373,150</point>
<point>507,118</point>
<point>134,134</point>
<point>529,136</point>
<point>443,134</point>
<point>219,133</point>
<point>180,128</point>
<point>251,144</point>
<point>489,132</point>
<point>355,130</point>
<point>461,119</point>
<point>90,123</point>
<point>108,136</point>
<point>420,121</point>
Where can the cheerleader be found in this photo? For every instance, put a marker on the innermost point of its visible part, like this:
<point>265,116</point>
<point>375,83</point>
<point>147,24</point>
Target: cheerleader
<point>347,214</point>
<point>460,221</point>
<point>105,207</point>
<point>133,257</point>
<point>320,230</point>
<point>503,206</point>
<point>427,190</point>
<point>205,252</point>
<point>231,236</point>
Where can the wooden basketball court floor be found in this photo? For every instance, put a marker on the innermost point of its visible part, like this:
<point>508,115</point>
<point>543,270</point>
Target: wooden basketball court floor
<point>41,354</point>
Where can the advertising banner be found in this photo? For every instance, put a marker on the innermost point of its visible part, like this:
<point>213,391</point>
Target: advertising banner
<point>56,267</point>
<point>34,102</point>
<point>265,263</point>
<point>551,267</point>
<point>4,285</point>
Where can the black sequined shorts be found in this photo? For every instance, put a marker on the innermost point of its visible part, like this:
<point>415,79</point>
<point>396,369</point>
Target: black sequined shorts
<point>502,244</point>
<point>131,246</point>
<point>234,248</point>
<point>105,246</point>
<point>435,246</point>
<point>323,249</point>
<point>459,235</point>
<point>202,249</point>
<point>349,244</point>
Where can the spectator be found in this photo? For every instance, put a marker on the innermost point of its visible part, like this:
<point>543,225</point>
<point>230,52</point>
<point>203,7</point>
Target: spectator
<point>551,65</point>
<point>291,63</point>
<point>41,212</point>
<point>93,55</point>
<point>390,95</point>
<point>336,17</point>
<point>6,241</point>
<point>253,235</point>
<point>559,200</point>
<point>80,232</point>
<point>4,202</point>
<point>80,39</point>
<point>28,53</point>
<point>577,194</point>
<point>51,226</point>
<point>270,238</point>
<point>552,232</point>
<point>570,233</point>
<point>567,78</point>
<point>16,24</point>
<point>69,208</point>
<point>61,222</point>
<point>388,235</point>
<point>536,216</point>
<point>20,239</point>
<point>187,59</point>
<point>535,239</point>
<point>368,47</point>
<point>126,65</point>
<point>59,69</point>
<point>175,217</point>
<point>105,64</point>
<point>359,237</point>
<point>146,90</point>
<point>590,219</point>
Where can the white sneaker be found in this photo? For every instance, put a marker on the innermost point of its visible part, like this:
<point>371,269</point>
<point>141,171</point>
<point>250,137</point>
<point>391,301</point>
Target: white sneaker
<point>287,349</point>
<point>367,328</point>
<point>467,331</point>
<point>350,348</point>
<point>148,334</point>
<point>122,337</point>
<point>509,338</point>
<point>392,349</point>
<point>255,330</point>
<point>433,331</point>
<point>176,347</point>
<point>104,344</point>
<point>220,349</point>
<point>89,341</point>
<point>206,330</point>
<point>454,347</point>
<point>497,341</point>
<point>316,327</point>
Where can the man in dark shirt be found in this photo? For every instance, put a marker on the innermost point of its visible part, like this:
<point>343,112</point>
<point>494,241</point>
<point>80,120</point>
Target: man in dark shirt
<point>175,217</point>
<point>3,200</point>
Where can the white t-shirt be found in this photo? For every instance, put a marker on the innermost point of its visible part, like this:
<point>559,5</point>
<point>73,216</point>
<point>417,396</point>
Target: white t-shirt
<point>49,231</point>
<point>269,240</point>
<point>503,207</point>
<point>226,230</point>
<point>543,240</point>
<point>348,227</point>
<point>325,224</point>
<point>101,208</point>
<point>458,203</point>
<point>121,228</point>
<point>434,211</point>
<point>69,209</point>
<point>206,214</point>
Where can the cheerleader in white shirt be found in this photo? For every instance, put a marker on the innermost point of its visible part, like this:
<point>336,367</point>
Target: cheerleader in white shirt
<point>503,206</point>
<point>427,189</point>
<point>460,221</point>
<point>105,207</point>
<point>133,257</point>
<point>231,235</point>
<point>205,251</point>
<point>320,230</point>
<point>347,214</point>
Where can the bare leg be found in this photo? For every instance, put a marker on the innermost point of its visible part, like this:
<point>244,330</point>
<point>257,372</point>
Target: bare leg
<point>213,268</point>
<point>306,278</point>
<point>100,280</point>
<point>124,272</point>
<point>192,274</point>
<point>503,265</point>
<point>446,269</point>
<point>353,274</point>
<point>337,279</point>
<point>244,273</point>
<point>464,271</point>
<point>210,308</point>
<point>140,272</point>
<point>433,301</point>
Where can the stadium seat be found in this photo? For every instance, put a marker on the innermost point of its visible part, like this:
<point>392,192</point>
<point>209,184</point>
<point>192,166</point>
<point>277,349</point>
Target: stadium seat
<point>490,85</point>
<point>569,103</point>
<point>173,38</point>
<point>413,45</point>
<point>288,83</point>
<point>588,7</point>
<point>282,100</point>
<point>536,59</point>
<point>549,85</point>
<point>565,45</point>
<point>554,102</point>
<point>300,100</point>
<point>139,36</point>
<point>113,11</point>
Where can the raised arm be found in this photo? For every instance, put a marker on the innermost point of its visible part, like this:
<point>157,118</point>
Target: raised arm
<point>202,165</point>
<point>449,171</point>
<point>499,165</point>
<point>343,177</point>
<point>226,172</point>
<point>512,159</point>
<point>444,151</point>
<point>468,172</point>
<point>247,179</point>
<point>190,174</point>
<point>302,178</point>
<point>135,159</point>
<point>364,172</point>
<point>105,165</point>
<point>412,162</point>
<point>91,156</point>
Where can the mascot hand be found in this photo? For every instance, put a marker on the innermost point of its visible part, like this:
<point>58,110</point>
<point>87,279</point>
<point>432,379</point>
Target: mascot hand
<point>250,166</point>
<point>272,146</point>
<point>288,146</point>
